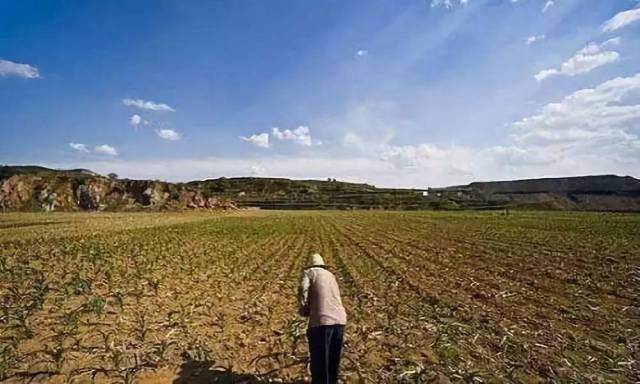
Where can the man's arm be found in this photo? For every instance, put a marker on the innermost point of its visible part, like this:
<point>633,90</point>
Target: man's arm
<point>303,294</point>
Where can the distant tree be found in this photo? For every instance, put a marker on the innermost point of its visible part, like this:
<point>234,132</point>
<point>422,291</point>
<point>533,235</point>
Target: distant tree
<point>224,184</point>
<point>112,176</point>
<point>219,185</point>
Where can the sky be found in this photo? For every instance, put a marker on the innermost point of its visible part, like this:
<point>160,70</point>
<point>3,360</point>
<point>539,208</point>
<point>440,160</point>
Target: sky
<point>398,93</point>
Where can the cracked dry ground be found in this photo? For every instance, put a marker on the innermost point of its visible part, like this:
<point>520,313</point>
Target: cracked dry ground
<point>431,296</point>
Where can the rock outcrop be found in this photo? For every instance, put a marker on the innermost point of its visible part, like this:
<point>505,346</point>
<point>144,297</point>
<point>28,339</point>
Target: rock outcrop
<point>74,190</point>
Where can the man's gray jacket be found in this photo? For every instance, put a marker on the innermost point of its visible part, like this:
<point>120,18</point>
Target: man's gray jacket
<point>319,298</point>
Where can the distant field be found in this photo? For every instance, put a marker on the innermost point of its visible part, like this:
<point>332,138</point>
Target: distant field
<point>202,297</point>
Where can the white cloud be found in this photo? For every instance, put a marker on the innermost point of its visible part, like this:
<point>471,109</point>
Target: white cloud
<point>258,170</point>
<point>591,131</point>
<point>361,52</point>
<point>456,164</point>
<point>535,38</point>
<point>585,60</point>
<point>447,3</point>
<point>259,139</point>
<point>621,19</point>
<point>411,156</point>
<point>21,70</point>
<point>168,134</point>
<point>547,5</point>
<point>148,105</point>
<point>136,120</point>
<point>451,166</point>
<point>588,132</point>
<point>601,119</point>
<point>106,150</point>
<point>79,147</point>
<point>300,135</point>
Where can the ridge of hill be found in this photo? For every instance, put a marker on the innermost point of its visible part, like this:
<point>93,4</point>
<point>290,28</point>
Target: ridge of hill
<point>577,184</point>
<point>33,188</point>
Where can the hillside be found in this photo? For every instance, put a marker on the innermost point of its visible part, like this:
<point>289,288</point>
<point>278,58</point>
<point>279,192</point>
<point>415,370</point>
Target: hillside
<point>591,193</point>
<point>584,184</point>
<point>32,188</point>
<point>278,193</point>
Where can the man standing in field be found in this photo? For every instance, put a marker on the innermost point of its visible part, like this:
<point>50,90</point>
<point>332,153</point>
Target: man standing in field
<point>319,299</point>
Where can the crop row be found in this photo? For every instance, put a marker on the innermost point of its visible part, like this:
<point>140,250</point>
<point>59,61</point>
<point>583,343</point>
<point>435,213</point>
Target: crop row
<point>473,297</point>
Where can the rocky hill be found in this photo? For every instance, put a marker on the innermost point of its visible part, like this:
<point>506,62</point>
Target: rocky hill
<point>593,193</point>
<point>32,188</point>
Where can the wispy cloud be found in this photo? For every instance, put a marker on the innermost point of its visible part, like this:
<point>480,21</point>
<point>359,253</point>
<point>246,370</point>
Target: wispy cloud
<point>168,134</point>
<point>79,147</point>
<point>148,105</point>
<point>621,19</point>
<point>16,69</point>
<point>547,5</point>
<point>259,139</point>
<point>106,150</point>
<point>585,60</point>
<point>535,39</point>
<point>447,3</point>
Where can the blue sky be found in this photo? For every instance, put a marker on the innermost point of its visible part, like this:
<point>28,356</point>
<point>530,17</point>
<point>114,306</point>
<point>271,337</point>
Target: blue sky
<point>395,93</point>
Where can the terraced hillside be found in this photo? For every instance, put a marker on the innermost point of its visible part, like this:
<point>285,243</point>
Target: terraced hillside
<point>210,297</point>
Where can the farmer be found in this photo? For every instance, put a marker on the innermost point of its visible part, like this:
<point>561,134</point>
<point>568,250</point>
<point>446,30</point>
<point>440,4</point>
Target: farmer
<point>319,299</point>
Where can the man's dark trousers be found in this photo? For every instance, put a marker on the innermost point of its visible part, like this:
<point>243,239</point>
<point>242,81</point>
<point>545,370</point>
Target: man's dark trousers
<point>325,346</point>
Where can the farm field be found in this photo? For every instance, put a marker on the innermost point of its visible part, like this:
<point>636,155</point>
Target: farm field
<point>211,297</point>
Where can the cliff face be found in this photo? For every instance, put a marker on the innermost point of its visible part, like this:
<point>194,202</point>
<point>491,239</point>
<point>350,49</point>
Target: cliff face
<point>60,191</point>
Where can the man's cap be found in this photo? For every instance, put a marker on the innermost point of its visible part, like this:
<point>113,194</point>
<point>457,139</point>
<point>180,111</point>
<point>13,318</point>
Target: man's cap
<point>315,260</point>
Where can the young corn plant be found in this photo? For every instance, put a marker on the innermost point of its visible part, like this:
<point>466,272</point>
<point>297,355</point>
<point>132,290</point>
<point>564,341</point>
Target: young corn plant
<point>95,305</point>
<point>8,359</point>
<point>56,355</point>
<point>141,327</point>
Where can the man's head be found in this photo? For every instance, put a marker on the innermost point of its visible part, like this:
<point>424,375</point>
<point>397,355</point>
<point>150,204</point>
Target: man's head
<point>315,260</point>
